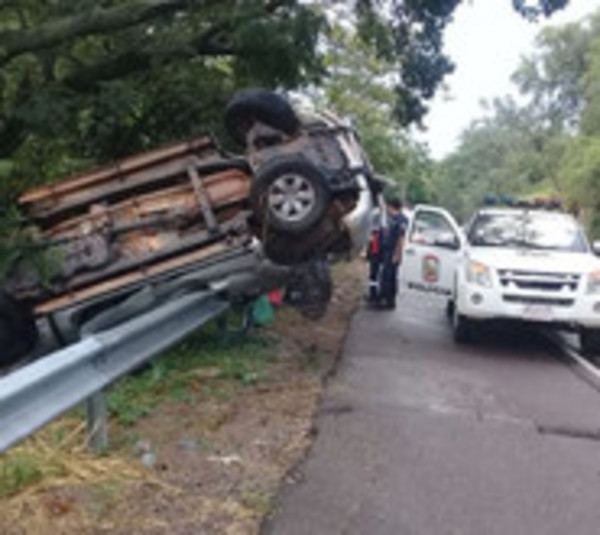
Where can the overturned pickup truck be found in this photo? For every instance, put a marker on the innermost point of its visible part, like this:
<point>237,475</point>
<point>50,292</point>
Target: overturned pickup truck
<point>125,237</point>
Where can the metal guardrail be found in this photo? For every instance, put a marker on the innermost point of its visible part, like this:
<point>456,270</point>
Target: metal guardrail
<point>36,394</point>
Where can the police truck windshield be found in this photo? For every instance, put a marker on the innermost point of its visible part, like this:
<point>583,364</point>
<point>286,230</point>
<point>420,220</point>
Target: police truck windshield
<point>528,230</point>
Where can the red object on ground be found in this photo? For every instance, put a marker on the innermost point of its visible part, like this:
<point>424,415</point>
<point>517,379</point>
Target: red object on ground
<point>276,297</point>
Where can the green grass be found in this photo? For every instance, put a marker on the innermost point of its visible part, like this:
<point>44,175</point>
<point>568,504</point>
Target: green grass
<point>18,472</point>
<point>176,374</point>
<point>259,501</point>
<point>23,469</point>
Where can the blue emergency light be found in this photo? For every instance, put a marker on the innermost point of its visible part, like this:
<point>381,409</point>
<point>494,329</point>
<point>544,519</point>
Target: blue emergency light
<point>539,203</point>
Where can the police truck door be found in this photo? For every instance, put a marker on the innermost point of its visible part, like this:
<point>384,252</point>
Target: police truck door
<point>431,248</point>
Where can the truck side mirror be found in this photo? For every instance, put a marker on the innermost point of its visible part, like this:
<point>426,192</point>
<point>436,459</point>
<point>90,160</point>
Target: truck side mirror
<point>596,247</point>
<point>447,240</point>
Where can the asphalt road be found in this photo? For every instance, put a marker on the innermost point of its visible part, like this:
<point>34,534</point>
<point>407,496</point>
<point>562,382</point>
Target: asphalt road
<point>419,436</point>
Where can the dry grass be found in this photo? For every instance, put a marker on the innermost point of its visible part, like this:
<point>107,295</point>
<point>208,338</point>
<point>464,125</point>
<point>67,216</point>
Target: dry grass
<point>39,478</point>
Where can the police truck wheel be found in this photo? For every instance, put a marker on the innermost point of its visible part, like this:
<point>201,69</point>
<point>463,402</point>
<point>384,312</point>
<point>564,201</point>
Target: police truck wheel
<point>251,105</point>
<point>462,327</point>
<point>589,340</point>
<point>289,195</point>
<point>18,331</point>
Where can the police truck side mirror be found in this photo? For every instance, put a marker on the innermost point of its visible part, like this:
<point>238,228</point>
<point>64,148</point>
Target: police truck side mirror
<point>447,240</point>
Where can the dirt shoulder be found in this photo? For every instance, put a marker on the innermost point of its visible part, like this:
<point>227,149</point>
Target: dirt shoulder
<point>208,457</point>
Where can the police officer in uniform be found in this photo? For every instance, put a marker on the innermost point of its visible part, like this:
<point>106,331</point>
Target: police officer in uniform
<point>374,258</point>
<point>392,242</point>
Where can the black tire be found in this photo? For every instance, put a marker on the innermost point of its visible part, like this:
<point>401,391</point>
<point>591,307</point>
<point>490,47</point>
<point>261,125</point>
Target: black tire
<point>303,192</point>
<point>18,331</point>
<point>310,289</point>
<point>462,328</point>
<point>251,105</point>
<point>589,340</point>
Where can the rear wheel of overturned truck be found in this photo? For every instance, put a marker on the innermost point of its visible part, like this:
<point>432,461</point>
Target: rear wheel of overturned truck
<point>290,195</point>
<point>18,331</point>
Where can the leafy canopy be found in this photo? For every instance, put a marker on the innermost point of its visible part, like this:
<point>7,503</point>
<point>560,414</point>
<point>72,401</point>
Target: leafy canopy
<point>547,145</point>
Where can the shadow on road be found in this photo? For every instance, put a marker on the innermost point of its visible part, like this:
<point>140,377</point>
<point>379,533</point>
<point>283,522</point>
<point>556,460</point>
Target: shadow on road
<point>513,341</point>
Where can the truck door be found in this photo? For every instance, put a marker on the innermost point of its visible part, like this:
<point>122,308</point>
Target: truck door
<point>431,250</point>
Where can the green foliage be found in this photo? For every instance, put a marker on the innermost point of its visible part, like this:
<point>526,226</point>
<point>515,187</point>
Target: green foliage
<point>507,153</point>
<point>550,144</point>
<point>359,88</point>
<point>581,169</point>
<point>553,77</point>
<point>590,120</point>
<point>563,82</point>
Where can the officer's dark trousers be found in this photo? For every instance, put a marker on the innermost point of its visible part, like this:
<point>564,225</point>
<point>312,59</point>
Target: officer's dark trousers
<point>389,282</point>
<point>374,279</point>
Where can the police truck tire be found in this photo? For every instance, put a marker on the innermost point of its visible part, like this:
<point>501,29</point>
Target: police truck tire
<point>589,340</point>
<point>18,331</point>
<point>251,105</point>
<point>462,328</point>
<point>289,195</point>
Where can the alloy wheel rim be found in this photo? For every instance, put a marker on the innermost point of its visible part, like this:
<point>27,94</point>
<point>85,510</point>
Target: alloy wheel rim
<point>291,197</point>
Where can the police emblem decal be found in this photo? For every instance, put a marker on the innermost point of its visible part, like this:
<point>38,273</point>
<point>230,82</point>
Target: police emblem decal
<point>431,269</point>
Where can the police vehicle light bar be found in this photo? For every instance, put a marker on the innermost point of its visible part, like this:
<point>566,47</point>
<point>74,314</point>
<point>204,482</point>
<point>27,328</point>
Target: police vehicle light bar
<point>538,203</point>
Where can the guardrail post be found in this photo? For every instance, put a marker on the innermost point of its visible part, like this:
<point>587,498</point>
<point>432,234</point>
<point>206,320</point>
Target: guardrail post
<point>97,427</point>
<point>226,332</point>
<point>222,322</point>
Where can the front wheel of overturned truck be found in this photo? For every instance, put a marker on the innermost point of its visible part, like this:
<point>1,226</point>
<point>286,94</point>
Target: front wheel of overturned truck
<point>18,331</point>
<point>251,106</point>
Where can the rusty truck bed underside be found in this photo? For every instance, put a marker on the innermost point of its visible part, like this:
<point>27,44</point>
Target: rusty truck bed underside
<point>146,215</point>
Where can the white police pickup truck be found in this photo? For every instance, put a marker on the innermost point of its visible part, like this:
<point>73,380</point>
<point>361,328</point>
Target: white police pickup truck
<point>521,264</point>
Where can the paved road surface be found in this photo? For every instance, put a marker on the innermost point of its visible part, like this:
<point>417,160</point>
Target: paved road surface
<point>417,436</point>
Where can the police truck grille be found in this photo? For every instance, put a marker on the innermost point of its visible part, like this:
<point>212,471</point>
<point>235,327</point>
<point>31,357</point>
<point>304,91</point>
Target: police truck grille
<point>535,300</point>
<point>539,280</point>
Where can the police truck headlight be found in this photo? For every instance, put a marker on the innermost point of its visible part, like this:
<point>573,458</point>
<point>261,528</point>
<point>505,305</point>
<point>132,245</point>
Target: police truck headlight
<point>593,286</point>
<point>478,273</point>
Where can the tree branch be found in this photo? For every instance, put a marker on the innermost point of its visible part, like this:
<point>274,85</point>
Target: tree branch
<point>214,41</point>
<point>140,59</point>
<point>16,42</point>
